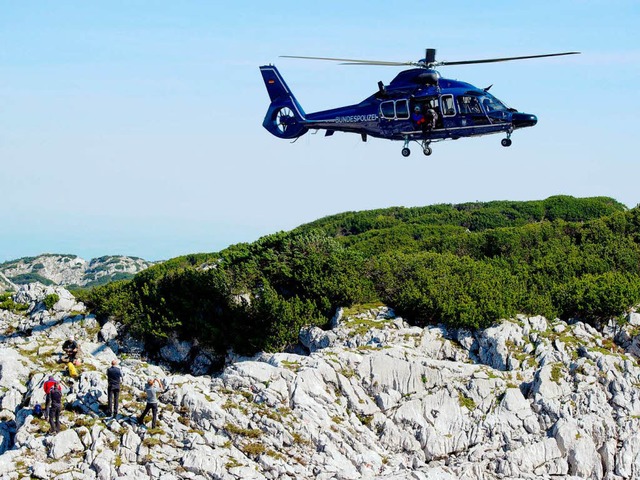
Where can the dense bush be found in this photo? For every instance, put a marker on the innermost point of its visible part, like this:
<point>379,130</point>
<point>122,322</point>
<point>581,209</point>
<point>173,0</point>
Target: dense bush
<point>465,265</point>
<point>7,303</point>
<point>50,300</point>
<point>248,297</point>
<point>460,291</point>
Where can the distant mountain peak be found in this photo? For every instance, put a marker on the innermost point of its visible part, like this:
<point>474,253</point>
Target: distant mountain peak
<point>69,270</point>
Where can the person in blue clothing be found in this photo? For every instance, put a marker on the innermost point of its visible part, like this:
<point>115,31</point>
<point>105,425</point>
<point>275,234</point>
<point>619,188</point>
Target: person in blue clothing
<point>418,117</point>
<point>152,401</point>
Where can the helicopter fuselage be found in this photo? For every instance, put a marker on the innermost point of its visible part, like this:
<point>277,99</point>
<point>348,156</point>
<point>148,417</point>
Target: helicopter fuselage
<point>418,105</point>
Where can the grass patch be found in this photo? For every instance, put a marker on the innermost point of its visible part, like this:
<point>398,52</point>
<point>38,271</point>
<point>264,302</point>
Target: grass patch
<point>232,463</point>
<point>276,455</point>
<point>253,449</point>
<point>365,419</point>
<point>466,402</point>
<point>243,432</point>
<point>151,442</point>
<point>299,439</point>
<point>293,366</point>
<point>84,421</point>
<point>361,308</point>
<point>348,372</point>
<point>362,326</point>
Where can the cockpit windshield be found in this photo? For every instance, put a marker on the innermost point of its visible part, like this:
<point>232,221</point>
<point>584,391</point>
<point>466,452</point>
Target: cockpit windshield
<point>492,104</point>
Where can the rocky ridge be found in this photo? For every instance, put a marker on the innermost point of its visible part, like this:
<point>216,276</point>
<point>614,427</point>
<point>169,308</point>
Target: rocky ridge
<point>373,398</point>
<point>69,270</point>
<point>6,284</point>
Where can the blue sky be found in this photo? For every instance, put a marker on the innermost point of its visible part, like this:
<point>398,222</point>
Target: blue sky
<point>134,127</point>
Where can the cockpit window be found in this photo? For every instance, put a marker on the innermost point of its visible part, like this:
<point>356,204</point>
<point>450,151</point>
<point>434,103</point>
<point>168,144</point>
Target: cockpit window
<point>492,104</point>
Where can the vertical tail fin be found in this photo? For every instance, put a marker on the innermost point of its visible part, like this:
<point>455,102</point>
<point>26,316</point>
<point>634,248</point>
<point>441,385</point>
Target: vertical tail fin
<point>285,117</point>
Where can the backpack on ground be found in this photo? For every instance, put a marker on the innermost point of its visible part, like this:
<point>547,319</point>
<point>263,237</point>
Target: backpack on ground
<point>73,371</point>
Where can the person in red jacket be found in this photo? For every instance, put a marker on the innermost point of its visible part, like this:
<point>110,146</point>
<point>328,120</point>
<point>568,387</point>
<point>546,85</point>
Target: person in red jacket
<point>55,408</point>
<point>47,386</point>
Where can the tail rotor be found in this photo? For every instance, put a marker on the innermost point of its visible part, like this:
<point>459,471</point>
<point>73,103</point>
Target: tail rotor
<point>285,117</point>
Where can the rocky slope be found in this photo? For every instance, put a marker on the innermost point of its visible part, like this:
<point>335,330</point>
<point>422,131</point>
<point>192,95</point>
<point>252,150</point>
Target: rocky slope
<point>6,284</point>
<point>69,270</point>
<point>373,398</point>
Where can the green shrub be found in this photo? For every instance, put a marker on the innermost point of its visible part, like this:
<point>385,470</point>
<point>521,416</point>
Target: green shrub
<point>464,265</point>
<point>50,300</point>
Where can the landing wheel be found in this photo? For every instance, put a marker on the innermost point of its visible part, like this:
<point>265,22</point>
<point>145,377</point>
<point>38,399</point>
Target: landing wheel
<point>427,151</point>
<point>406,152</point>
<point>506,142</point>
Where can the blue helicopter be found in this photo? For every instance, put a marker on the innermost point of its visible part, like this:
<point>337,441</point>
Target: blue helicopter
<point>418,105</point>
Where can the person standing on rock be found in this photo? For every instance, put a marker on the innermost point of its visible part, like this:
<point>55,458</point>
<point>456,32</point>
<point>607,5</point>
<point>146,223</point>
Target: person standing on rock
<point>47,386</point>
<point>152,401</point>
<point>114,376</point>
<point>56,406</point>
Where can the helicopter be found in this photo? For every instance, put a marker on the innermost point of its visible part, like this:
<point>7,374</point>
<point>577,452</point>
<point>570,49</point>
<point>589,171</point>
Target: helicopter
<point>418,105</point>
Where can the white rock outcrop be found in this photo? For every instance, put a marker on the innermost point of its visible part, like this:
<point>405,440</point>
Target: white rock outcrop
<point>375,398</point>
<point>65,270</point>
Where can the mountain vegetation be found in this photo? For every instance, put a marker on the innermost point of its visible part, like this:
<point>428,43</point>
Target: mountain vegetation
<point>467,265</point>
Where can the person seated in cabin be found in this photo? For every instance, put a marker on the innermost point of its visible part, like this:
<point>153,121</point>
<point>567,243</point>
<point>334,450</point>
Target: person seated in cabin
<point>418,117</point>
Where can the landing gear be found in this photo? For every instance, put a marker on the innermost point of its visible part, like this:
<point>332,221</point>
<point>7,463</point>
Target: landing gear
<point>506,142</point>
<point>426,149</point>
<point>405,150</point>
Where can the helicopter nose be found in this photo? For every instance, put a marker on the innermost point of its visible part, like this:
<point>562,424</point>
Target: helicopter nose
<point>521,120</point>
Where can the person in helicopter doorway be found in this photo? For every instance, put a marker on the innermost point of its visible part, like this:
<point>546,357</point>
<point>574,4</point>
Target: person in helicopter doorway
<point>418,117</point>
<point>431,117</point>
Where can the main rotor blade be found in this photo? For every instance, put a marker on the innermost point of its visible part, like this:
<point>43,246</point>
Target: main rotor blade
<point>387,64</point>
<point>351,61</point>
<point>504,59</point>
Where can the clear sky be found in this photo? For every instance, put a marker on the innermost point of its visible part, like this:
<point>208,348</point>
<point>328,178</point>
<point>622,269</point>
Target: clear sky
<point>134,127</point>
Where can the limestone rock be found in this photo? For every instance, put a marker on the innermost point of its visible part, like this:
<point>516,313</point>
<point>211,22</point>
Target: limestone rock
<point>530,398</point>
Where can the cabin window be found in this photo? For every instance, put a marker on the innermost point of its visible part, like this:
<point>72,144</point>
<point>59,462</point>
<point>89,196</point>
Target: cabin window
<point>402,109</point>
<point>387,109</point>
<point>395,109</point>
<point>448,107</point>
